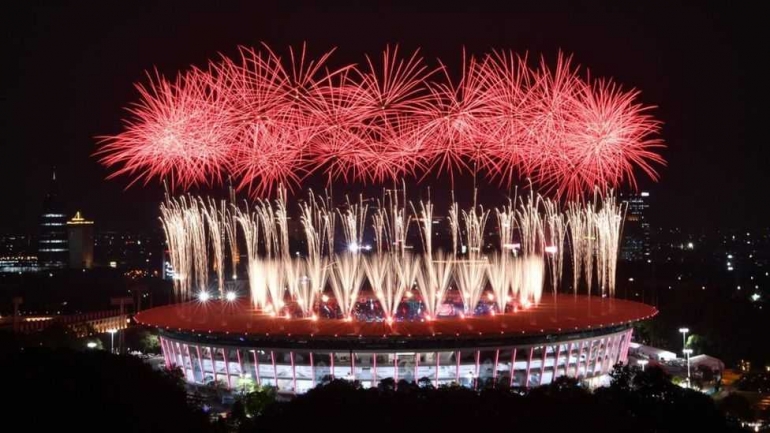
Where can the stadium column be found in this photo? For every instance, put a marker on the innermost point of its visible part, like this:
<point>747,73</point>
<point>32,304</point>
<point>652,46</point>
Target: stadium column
<point>164,348</point>
<point>608,345</point>
<point>374,369</point>
<point>621,345</point>
<point>579,355</point>
<point>629,336</point>
<point>615,351</point>
<point>478,359</point>
<point>213,362</point>
<point>293,372</point>
<point>352,365</point>
<point>227,368</point>
<point>200,363</point>
<point>189,359</point>
<point>437,366</point>
<point>556,363</point>
<point>240,363</point>
<point>588,357</point>
<point>542,364</point>
<point>416,366</point>
<point>275,370</point>
<point>256,366</point>
<point>395,368</point>
<point>312,368</point>
<point>494,370</point>
<point>331,362</point>
<point>457,370</point>
<point>513,367</point>
<point>529,364</point>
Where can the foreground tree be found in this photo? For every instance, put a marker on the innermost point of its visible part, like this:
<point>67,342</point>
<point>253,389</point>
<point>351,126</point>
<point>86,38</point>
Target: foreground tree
<point>65,390</point>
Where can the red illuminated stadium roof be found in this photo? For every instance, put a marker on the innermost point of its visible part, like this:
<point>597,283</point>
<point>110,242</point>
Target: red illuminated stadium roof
<point>563,314</point>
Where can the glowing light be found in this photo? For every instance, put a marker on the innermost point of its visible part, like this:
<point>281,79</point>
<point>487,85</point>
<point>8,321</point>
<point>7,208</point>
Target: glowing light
<point>551,249</point>
<point>325,298</point>
<point>204,296</point>
<point>91,345</point>
<point>230,296</point>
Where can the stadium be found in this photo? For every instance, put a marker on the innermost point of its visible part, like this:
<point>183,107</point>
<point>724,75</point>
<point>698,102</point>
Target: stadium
<point>292,291</point>
<point>577,337</point>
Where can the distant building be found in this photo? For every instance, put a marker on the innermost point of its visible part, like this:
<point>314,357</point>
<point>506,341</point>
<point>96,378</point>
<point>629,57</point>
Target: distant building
<point>18,264</point>
<point>80,234</point>
<point>636,230</point>
<point>53,251</point>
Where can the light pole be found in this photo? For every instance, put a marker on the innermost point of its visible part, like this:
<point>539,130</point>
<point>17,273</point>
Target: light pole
<point>642,362</point>
<point>687,353</point>
<point>112,332</point>
<point>684,332</point>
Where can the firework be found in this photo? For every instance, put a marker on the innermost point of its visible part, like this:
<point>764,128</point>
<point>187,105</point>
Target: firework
<point>533,236</point>
<point>266,120</point>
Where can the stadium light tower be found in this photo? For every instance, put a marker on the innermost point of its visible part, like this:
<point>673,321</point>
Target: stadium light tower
<point>684,332</point>
<point>112,332</point>
<point>687,353</point>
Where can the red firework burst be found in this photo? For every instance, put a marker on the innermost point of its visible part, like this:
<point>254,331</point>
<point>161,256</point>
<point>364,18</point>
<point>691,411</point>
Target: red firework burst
<point>266,120</point>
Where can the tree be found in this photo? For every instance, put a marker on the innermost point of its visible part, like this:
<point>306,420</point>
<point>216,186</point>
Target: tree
<point>67,390</point>
<point>149,343</point>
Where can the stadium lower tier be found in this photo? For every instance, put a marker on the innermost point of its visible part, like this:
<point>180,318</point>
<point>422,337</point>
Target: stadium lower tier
<point>588,356</point>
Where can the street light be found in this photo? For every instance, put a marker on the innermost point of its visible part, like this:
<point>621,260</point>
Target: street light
<point>112,332</point>
<point>91,345</point>
<point>684,332</point>
<point>687,353</point>
<point>642,362</point>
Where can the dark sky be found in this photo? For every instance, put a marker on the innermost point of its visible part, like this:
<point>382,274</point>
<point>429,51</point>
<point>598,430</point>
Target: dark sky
<point>68,71</point>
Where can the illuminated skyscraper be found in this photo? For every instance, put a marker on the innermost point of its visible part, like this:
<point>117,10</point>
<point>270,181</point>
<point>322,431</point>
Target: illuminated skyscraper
<point>636,230</point>
<point>80,234</point>
<point>52,249</point>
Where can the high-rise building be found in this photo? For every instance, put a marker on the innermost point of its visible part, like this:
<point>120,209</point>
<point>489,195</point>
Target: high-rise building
<point>636,229</point>
<point>80,234</point>
<point>52,245</point>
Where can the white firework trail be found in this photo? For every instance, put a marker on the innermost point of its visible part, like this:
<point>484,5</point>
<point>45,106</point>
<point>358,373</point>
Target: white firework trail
<point>577,224</point>
<point>506,222</point>
<point>556,230</point>
<point>249,223</point>
<point>609,226</point>
<point>433,281</point>
<point>469,276</point>
<point>499,276</point>
<point>276,282</point>
<point>348,275</point>
<point>216,225</point>
<point>379,272</point>
<point>230,218</point>
<point>353,221</point>
<point>532,271</point>
<point>173,220</point>
<point>281,219</point>
<point>407,267</point>
<point>530,225</point>
<point>425,220</point>
<point>196,228</point>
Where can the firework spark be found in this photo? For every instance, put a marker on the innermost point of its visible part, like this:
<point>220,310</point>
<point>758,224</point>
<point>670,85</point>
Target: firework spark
<point>267,120</point>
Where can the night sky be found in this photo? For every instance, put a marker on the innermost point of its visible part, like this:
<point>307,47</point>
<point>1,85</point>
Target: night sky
<point>68,71</point>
